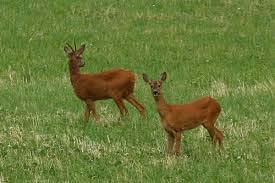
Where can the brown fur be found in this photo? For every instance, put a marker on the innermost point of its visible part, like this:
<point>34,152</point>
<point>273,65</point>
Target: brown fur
<point>116,84</point>
<point>176,118</point>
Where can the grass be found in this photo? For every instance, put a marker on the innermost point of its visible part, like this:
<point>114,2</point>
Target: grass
<point>219,48</point>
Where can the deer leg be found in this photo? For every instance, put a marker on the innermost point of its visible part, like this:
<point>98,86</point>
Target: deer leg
<point>177,143</point>
<point>131,99</point>
<point>86,114</point>
<point>219,137</point>
<point>211,130</point>
<point>121,106</point>
<point>90,106</point>
<point>170,142</point>
<point>93,109</point>
<point>209,125</point>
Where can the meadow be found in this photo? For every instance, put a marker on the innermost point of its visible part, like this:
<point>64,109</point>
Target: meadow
<point>220,48</point>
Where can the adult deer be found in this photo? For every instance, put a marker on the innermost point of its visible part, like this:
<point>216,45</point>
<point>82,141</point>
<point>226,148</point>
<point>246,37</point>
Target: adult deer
<point>177,118</point>
<point>116,84</point>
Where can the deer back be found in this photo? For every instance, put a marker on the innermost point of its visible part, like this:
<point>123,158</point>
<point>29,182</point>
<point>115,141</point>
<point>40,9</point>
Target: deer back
<point>105,84</point>
<point>193,114</point>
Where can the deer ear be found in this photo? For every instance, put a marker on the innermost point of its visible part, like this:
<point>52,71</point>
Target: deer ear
<point>67,50</point>
<point>81,49</point>
<point>145,78</point>
<point>163,76</point>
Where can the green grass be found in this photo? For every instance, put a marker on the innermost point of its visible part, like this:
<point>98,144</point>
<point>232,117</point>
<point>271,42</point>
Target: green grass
<point>219,48</point>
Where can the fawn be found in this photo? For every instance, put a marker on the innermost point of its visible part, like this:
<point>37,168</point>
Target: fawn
<point>116,84</point>
<point>176,118</point>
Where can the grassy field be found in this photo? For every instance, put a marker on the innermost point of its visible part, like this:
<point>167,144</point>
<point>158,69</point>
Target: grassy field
<point>220,48</point>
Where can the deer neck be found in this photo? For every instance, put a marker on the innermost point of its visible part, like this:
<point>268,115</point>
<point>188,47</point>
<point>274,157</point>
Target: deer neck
<point>74,71</point>
<point>162,106</point>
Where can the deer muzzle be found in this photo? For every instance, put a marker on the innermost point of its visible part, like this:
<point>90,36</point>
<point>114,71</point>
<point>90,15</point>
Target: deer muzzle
<point>82,63</point>
<point>155,93</point>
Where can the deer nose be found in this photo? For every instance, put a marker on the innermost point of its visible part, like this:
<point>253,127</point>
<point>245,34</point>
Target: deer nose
<point>155,93</point>
<point>82,63</point>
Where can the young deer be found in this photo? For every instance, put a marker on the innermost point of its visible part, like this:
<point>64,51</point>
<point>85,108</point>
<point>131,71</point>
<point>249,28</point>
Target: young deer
<point>116,84</point>
<point>180,117</point>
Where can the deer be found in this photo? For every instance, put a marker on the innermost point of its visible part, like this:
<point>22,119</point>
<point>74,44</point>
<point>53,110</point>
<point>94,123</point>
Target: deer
<point>176,118</point>
<point>116,84</point>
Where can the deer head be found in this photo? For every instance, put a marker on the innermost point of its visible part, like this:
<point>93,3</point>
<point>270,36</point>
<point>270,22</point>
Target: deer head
<point>75,55</point>
<point>155,84</point>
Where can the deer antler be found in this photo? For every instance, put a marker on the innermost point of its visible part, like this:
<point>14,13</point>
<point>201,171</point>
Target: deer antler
<point>74,46</point>
<point>70,46</point>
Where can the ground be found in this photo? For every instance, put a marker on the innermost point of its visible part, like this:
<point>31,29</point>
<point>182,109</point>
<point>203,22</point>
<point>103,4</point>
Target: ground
<point>220,48</point>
